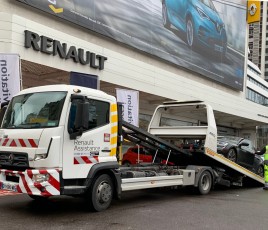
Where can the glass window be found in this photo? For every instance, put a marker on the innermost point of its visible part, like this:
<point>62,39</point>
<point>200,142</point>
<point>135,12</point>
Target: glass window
<point>99,114</point>
<point>34,110</point>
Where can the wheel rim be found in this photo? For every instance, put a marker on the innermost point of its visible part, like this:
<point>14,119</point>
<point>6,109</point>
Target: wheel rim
<point>104,192</point>
<point>232,155</point>
<point>190,32</point>
<point>205,182</point>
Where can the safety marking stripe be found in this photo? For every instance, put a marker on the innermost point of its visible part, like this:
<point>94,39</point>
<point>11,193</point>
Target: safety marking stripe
<point>86,160</point>
<point>114,119</point>
<point>113,140</point>
<point>22,143</point>
<point>8,193</point>
<point>54,182</point>
<point>113,107</point>
<point>114,130</point>
<point>26,184</point>
<point>30,143</point>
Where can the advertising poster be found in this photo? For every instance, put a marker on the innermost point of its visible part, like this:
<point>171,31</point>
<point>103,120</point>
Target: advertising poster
<point>204,36</point>
<point>9,76</point>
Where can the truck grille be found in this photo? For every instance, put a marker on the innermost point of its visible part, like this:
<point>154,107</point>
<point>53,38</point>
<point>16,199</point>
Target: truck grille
<point>11,160</point>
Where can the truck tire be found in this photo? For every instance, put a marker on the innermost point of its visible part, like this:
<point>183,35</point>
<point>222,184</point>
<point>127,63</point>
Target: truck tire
<point>100,195</point>
<point>204,183</point>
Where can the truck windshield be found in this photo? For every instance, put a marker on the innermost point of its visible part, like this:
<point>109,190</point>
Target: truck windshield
<point>34,110</point>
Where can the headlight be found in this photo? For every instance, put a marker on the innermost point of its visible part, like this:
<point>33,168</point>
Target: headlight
<point>202,13</point>
<point>41,156</point>
<point>39,178</point>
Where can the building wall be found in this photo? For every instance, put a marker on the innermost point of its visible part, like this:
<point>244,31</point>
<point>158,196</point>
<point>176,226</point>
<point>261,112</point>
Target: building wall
<point>125,66</point>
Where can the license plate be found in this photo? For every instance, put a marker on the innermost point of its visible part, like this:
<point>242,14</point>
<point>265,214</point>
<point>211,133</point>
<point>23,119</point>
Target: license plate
<point>9,187</point>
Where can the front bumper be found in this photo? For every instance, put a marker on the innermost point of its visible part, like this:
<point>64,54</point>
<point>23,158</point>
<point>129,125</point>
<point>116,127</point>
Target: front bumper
<point>23,182</point>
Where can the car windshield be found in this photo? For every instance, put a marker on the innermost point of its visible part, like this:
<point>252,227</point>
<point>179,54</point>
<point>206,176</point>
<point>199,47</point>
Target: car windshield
<point>229,139</point>
<point>34,110</point>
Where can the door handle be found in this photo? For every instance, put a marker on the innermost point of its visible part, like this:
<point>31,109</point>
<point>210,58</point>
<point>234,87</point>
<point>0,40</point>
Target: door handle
<point>106,150</point>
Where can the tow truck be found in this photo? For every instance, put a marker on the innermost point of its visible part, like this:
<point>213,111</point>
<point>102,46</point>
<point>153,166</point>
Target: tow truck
<point>66,140</point>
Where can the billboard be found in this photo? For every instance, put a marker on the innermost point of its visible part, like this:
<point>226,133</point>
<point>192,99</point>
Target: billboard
<point>204,36</point>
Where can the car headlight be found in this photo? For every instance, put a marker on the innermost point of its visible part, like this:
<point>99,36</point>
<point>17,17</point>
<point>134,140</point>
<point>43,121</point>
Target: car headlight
<point>40,156</point>
<point>202,13</point>
<point>39,178</point>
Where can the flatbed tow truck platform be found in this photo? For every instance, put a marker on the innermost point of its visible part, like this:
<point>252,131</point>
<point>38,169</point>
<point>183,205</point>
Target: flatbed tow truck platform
<point>162,138</point>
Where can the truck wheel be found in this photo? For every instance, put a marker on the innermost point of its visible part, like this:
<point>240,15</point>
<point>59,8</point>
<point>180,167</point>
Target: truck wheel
<point>101,193</point>
<point>204,183</point>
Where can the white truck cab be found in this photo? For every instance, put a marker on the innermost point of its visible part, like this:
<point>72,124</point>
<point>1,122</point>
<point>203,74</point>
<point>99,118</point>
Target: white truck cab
<point>62,129</point>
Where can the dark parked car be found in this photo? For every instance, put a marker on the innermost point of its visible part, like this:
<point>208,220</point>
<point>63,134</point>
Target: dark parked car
<point>242,152</point>
<point>198,20</point>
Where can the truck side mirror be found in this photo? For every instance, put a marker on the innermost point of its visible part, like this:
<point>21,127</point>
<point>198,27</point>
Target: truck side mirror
<point>81,120</point>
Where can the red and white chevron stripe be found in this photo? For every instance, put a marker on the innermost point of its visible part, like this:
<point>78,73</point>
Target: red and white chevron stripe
<point>86,160</point>
<point>8,193</point>
<point>26,184</point>
<point>28,143</point>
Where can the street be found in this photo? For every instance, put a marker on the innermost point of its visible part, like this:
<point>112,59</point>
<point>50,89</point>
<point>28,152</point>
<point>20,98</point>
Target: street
<point>223,209</point>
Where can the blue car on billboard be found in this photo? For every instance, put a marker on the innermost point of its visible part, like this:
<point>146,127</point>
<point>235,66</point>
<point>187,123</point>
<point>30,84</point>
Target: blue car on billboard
<point>198,20</point>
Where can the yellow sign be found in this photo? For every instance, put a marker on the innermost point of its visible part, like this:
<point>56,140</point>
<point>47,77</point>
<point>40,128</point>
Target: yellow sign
<point>253,11</point>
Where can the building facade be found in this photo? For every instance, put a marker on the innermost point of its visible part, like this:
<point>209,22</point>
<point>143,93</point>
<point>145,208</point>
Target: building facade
<point>258,44</point>
<point>144,53</point>
<point>257,92</point>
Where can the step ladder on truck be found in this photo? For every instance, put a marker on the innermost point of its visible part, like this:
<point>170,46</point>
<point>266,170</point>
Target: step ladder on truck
<point>65,140</point>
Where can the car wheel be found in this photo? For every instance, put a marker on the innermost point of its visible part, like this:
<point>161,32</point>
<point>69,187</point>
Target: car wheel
<point>100,195</point>
<point>260,171</point>
<point>190,32</point>
<point>204,183</point>
<point>165,19</point>
<point>231,155</point>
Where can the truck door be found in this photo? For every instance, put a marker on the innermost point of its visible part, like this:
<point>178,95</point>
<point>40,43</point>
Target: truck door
<point>93,146</point>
